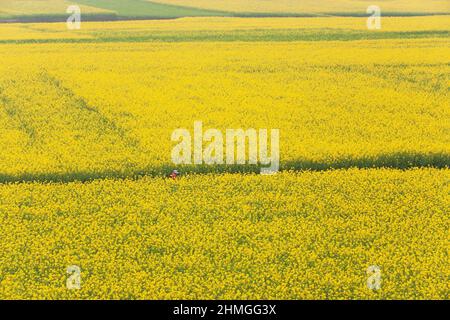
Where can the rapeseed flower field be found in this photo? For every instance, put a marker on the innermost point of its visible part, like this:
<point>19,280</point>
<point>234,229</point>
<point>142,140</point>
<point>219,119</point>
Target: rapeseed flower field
<point>111,114</point>
<point>101,10</point>
<point>289,236</point>
<point>329,7</point>
<point>86,118</point>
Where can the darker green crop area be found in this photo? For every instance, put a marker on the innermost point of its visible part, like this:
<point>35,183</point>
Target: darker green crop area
<point>147,9</point>
<point>239,35</point>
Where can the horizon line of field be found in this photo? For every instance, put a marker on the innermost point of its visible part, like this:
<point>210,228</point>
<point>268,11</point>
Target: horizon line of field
<point>112,17</point>
<point>396,161</point>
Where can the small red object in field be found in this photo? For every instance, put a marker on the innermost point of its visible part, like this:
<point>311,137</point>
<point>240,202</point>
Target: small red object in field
<point>174,174</point>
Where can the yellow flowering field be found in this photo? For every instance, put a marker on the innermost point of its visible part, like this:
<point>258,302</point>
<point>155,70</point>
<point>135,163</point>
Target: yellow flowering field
<point>314,6</point>
<point>86,118</point>
<point>288,236</point>
<point>230,29</point>
<point>98,106</point>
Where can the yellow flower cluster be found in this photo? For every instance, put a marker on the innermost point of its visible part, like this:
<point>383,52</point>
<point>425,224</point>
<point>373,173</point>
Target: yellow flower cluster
<point>288,236</point>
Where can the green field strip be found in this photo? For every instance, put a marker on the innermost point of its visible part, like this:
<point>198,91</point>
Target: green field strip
<point>140,8</point>
<point>287,35</point>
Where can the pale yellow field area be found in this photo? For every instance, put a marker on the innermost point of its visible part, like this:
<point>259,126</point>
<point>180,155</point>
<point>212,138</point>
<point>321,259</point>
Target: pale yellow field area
<point>36,7</point>
<point>314,6</point>
<point>89,29</point>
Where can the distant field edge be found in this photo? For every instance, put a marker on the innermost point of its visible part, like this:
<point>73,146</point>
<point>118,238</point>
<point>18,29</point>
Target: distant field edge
<point>46,18</point>
<point>107,17</point>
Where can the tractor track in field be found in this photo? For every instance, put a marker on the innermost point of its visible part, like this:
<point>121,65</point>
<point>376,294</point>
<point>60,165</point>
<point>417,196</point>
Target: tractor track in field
<point>397,161</point>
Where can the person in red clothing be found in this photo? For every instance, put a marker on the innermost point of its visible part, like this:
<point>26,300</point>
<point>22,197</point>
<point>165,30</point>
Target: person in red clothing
<point>174,174</point>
